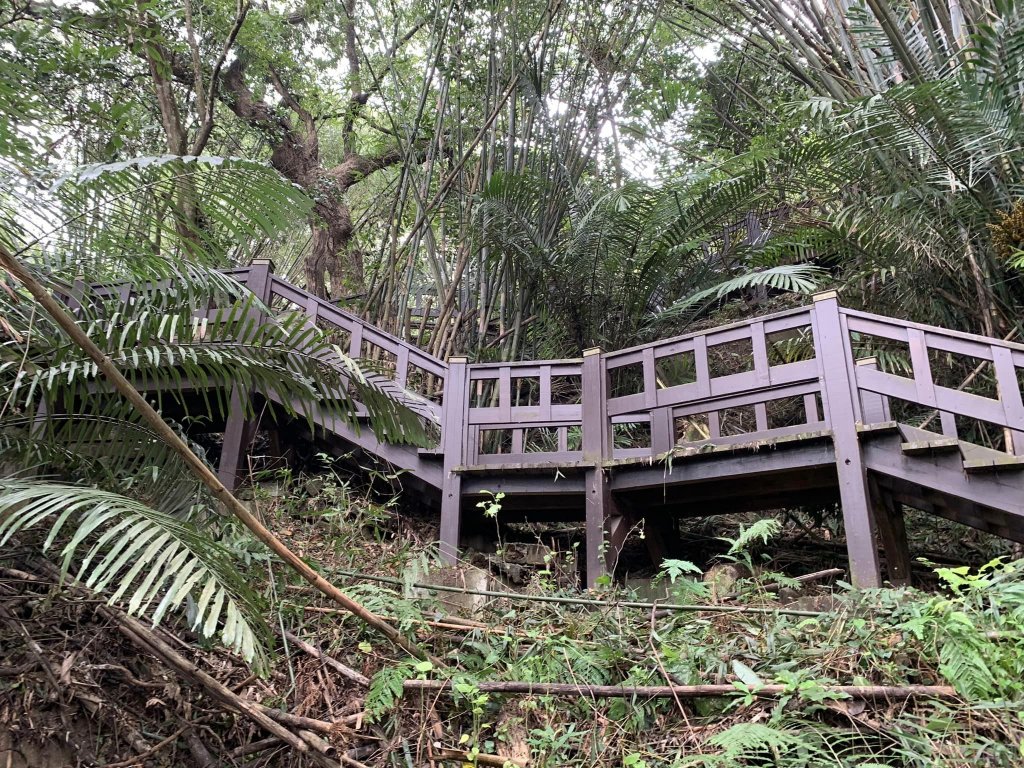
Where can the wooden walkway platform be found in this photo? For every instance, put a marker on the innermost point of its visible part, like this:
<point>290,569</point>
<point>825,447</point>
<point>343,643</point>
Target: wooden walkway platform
<point>772,412</point>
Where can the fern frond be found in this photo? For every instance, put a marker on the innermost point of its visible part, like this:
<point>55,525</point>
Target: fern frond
<point>148,561</point>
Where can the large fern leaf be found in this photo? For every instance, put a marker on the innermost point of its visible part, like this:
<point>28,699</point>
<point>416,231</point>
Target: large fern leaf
<point>148,561</point>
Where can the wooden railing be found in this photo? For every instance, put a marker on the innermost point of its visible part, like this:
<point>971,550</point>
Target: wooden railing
<point>921,344</point>
<point>755,379</point>
<point>820,370</point>
<point>691,389</point>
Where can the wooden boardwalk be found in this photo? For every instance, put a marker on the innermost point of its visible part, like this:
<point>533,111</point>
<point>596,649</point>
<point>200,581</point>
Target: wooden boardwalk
<point>772,412</point>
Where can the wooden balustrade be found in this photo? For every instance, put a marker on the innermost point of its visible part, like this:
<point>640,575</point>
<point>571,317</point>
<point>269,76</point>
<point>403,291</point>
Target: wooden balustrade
<point>786,374</point>
<point>1006,360</point>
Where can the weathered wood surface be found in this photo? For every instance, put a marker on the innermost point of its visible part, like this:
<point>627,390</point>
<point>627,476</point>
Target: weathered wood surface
<point>745,413</point>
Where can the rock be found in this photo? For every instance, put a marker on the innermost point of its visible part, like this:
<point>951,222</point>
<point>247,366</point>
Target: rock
<point>457,603</point>
<point>526,554</point>
<point>649,590</point>
<point>721,579</point>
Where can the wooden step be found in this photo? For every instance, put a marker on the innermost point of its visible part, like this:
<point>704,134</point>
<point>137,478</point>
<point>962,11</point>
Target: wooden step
<point>931,447</point>
<point>979,460</point>
<point>878,429</point>
<point>918,435</point>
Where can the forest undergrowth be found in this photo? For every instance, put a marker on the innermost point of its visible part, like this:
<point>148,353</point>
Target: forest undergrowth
<point>82,684</point>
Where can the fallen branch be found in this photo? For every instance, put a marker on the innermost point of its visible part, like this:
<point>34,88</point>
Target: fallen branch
<point>809,578</point>
<point>309,723</point>
<point>686,691</point>
<point>141,758</point>
<point>457,755</point>
<point>333,663</point>
<point>319,744</point>
<point>146,640</point>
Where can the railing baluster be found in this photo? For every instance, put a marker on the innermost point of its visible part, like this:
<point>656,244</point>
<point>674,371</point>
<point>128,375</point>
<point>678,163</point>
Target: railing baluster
<point>700,364</point>
<point>355,345</point>
<point>1009,396</point>
<point>505,394</point>
<point>811,410</point>
<point>518,436</point>
<point>761,417</point>
<point>662,431</point>
<point>545,393</point>
<point>874,408</point>
<point>948,422</point>
<point>922,367</point>
<point>760,347</point>
<point>650,379</point>
<point>402,366</point>
<point>312,310</point>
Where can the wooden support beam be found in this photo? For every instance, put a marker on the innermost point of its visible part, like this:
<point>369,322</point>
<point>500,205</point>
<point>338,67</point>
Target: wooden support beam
<point>839,387</point>
<point>239,430</point>
<point>892,531</point>
<point>454,436</point>
<point>600,505</point>
<point>238,434</point>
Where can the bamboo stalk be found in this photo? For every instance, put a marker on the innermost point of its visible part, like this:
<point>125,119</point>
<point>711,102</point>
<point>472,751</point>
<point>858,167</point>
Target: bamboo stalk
<point>458,755</point>
<point>194,463</point>
<point>871,692</point>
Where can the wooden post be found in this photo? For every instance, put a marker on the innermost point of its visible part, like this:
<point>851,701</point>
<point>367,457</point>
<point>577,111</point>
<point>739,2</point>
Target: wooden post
<point>874,408</point>
<point>600,506</point>
<point>892,530</point>
<point>238,429</point>
<point>835,361</point>
<point>454,410</point>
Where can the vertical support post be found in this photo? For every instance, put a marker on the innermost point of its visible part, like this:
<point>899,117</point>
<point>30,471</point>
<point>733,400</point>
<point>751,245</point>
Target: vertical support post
<point>454,435</point>
<point>892,530</point>
<point>238,434</point>
<point>76,300</point>
<point>600,506</point>
<point>834,353</point>
<point>238,429</point>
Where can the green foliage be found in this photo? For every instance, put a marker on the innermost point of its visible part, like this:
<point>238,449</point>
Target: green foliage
<point>121,506</point>
<point>673,569</point>
<point>386,689</point>
<point>764,529</point>
<point>151,559</point>
<point>976,632</point>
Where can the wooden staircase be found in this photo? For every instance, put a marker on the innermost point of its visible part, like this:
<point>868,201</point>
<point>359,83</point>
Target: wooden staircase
<point>664,430</point>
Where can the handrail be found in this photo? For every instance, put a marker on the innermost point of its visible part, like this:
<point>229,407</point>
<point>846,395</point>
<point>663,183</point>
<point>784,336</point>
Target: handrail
<point>650,399</point>
<point>966,335</point>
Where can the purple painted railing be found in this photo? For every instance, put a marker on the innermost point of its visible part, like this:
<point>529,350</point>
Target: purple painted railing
<point>788,374</point>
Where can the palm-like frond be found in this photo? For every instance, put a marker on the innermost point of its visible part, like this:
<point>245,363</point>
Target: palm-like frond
<point>170,352</point>
<point>792,278</point>
<point>919,116</point>
<point>111,450</point>
<point>149,560</point>
<point>127,220</point>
